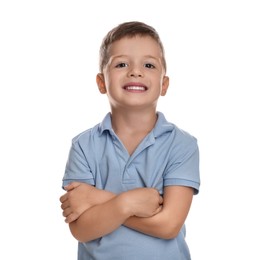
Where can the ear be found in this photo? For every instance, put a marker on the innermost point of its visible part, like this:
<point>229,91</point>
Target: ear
<point>101,83</point>
<point>165,85</point>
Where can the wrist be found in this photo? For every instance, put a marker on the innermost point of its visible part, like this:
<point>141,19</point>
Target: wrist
<point>125,205</point>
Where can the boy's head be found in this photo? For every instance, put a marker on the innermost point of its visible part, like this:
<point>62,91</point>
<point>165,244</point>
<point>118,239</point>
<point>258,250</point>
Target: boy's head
<point>128,29</point>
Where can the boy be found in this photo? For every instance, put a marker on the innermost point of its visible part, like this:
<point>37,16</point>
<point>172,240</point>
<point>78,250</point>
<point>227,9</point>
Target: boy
<point>130,180</point>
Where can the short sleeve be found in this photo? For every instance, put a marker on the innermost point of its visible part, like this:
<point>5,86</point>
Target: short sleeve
<point>185,171</point>
<point>77,167</point>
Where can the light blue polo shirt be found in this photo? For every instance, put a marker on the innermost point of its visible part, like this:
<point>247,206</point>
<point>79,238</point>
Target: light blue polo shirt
<point>167,156</point>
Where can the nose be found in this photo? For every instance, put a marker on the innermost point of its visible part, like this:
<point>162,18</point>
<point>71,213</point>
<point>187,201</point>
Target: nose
<point>135,72</point>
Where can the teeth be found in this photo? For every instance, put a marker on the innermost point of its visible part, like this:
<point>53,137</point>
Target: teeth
<point>135,88</point>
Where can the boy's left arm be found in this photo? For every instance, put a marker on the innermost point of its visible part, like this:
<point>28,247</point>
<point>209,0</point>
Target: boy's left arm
<point>168,222</point>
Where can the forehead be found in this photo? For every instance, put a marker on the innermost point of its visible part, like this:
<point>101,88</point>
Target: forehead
<point>136,45</point>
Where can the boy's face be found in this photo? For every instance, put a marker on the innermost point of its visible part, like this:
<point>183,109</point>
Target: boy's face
<point>134,75</point>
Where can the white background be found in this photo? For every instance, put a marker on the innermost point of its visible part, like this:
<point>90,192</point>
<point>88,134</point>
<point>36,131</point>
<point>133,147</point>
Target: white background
<point>48,64</point>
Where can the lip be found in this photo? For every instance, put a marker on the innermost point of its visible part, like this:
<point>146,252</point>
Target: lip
<point>135,87</point>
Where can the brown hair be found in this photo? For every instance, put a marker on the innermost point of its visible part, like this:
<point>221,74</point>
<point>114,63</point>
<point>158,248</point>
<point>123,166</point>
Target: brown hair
<point>127,29</point>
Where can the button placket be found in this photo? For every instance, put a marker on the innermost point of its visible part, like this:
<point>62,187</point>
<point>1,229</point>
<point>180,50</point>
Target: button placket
<point>130,170</point>
<point>122,155</point>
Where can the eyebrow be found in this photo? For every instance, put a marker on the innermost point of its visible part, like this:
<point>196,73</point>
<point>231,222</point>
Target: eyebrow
<point>126,56</point>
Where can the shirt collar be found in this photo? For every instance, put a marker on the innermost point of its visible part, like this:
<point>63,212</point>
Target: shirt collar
<point>106,124</point>
<point>162,125</point>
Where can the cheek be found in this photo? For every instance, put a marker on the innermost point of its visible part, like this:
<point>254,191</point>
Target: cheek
<point>110,77</point>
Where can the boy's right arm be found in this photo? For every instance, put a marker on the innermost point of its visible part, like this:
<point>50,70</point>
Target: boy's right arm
<point>113,210</point>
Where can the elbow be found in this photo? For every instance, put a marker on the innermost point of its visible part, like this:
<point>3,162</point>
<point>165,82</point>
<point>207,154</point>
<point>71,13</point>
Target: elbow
<point>171,231</point>
<point>169,235</point>
<point>79,236</point>
<point>82,240</point>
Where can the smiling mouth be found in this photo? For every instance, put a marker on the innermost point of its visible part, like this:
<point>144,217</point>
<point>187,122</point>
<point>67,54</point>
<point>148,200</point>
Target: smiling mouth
<point>135,88</point>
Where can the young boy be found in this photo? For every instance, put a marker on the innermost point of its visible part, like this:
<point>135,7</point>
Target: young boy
<point>130,180</point>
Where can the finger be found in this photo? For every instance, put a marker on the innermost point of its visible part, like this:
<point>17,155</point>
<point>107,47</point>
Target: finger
<point>158,210</point>
<point>63,198</point>
<point>67,212</point>
<point>65,204</point>
<point>70,218</point>
<point>161,200</point>
<point>71,186</point>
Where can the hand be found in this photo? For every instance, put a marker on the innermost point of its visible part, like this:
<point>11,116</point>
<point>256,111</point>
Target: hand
<point>143,202</point>
<point>79,198</point>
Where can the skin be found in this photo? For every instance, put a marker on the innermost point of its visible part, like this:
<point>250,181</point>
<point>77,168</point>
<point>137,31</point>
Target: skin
<point>133,80</point>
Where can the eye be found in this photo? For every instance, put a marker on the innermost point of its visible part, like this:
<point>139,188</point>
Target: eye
<point>149,66</point>
<point>121,65</point>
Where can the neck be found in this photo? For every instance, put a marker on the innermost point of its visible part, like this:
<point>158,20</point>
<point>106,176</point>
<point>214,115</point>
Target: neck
<point>133,121</point>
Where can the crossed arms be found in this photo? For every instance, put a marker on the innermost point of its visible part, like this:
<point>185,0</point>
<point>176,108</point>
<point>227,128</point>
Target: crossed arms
<point>92,213</point>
